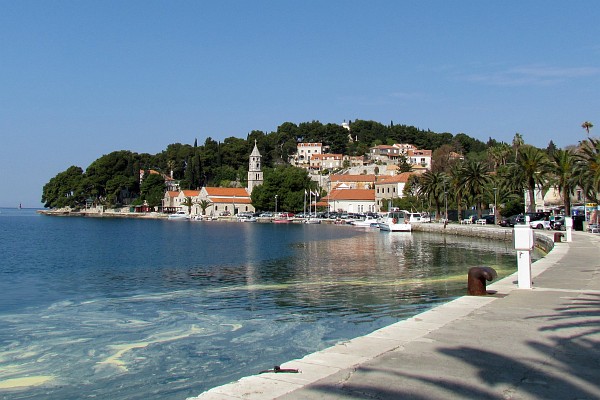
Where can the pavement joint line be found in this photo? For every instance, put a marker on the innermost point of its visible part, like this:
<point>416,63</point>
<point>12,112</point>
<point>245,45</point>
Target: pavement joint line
<point>582,291</point>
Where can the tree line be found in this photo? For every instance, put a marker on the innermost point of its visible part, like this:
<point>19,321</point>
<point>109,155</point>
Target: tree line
<point>509,168</point>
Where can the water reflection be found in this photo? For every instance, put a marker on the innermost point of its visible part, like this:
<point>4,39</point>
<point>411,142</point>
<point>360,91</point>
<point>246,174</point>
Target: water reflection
<point>185,307</point>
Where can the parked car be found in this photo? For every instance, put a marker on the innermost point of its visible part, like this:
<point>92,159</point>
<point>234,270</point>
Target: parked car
<point>266,215</point>
<point>224,213</point>
<point>513,220</point>
<point>540,224</point>
<point>558,224</point>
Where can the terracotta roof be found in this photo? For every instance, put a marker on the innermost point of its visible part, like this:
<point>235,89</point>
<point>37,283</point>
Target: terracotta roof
<point>419,153</point>
<point>172,193</point>
<point>230,200</point>
<point>326,156</point>
<point>351,194</point>
<point>227,192</point>
<point>352,178</point>
<point>400,178</point>
<point>190,193</point>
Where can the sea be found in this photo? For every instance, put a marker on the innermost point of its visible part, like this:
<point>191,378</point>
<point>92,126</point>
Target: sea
<point>117,308</point>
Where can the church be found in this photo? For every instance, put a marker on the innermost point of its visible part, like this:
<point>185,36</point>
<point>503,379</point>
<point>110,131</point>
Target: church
<point>220,201</point>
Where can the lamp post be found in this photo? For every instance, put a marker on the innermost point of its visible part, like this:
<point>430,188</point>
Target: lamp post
<point>276,204</point>
<point>495,208</point>
<point>445,203</point>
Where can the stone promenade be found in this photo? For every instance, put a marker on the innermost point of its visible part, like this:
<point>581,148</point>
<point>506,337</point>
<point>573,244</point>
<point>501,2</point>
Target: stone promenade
<point>542,343</point>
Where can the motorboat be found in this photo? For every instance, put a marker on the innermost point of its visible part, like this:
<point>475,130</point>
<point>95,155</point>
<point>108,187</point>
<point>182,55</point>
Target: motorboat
<point>368,222</point>
<point>395,221</point>
<point>416,216</point>
<point>179,215</point>
<point>247,218</point>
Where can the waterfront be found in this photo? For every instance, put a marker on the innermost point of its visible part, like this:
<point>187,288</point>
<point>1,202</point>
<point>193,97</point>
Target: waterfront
<point>113,308</point>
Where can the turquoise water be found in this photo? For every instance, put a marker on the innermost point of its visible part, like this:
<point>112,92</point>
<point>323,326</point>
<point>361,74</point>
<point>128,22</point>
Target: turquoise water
<point>138,309</point>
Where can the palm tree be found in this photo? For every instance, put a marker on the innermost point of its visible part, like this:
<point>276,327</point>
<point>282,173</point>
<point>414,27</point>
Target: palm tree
<point>188,203</point>
<point>532,166</point>
<point>587,125</point>
<point>204,204</point>
<point>588,171</point>
<point>517,143</point>
<point>432,187</point>
<point>455,179</point>
<point>563,165</point>
<point>475,178</point>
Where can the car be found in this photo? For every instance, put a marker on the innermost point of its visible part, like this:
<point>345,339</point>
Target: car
<point>266,215</point>
<point>540,224</point>
<point>558,223</point>
<point>224,213</point>
<point>513,220</point>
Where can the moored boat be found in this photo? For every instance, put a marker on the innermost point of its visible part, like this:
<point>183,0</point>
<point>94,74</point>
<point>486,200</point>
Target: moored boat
<point>368,222</point>
<point>395,221</point>
<point>179,215</point>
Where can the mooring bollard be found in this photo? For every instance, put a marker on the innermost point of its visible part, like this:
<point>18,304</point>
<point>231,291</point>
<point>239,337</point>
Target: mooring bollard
<point>476,280</point>
<point>558,237</point>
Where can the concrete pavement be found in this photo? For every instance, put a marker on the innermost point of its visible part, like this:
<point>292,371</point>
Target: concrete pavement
<point>542,343</point>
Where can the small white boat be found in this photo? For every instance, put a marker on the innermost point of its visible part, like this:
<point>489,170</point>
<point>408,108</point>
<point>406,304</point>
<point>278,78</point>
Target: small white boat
<point>248,218</point>
<point>179,215</point>
<point>312,221</point>
<point>395,221</point>
<point>368,222</point>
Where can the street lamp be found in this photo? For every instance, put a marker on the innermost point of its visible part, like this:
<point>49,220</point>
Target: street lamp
<point>495,208</point>
<point>445,202</point>
<point>275,203</point>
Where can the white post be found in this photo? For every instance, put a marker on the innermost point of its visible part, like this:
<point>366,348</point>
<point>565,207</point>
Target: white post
<point>569,228</point>
<point>524,240</point>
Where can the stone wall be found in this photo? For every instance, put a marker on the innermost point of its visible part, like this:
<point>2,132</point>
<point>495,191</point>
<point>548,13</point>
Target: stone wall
<point>542,240</point>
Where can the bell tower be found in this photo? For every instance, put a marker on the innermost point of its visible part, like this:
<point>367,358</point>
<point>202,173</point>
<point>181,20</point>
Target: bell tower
<point>255,174</point>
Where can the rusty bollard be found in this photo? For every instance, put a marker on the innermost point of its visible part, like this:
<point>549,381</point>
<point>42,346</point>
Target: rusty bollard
<point>476,280</point>
<point>558,237</point>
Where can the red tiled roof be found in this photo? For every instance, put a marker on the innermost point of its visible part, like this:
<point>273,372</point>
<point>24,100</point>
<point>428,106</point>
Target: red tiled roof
<point>351,194</point>
<point>190,193</point>
<point>352,178</point>
<point>400,178</point>
<point>227,192</point>
<point>231,200</point>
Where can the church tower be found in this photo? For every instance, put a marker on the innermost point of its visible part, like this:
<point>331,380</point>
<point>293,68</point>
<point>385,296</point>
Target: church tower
<point>255,175</point>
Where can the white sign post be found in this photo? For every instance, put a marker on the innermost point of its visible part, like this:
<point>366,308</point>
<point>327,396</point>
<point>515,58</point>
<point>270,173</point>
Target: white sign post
<point>569,228</point>
<point>524,241</point>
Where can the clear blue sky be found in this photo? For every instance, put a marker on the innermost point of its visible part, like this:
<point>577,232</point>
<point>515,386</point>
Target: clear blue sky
<point>79,79</point>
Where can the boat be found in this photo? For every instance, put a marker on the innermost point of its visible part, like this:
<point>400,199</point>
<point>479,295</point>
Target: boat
<point>415,217</point>
<point>179,215</point>
<point>312,221</point>
<point>248,218</point>
<point>368,222</point>
<point>395,221</point>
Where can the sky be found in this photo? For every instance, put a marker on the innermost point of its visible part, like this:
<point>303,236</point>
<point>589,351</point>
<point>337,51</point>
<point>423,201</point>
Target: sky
<point>80,79</point>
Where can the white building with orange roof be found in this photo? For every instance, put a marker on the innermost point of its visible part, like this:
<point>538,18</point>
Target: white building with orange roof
<point>352,181</point>
<point>225,200</point>
<point>326,161</point>
<point>384,153</point>
<point>351,200</point>
<point>390,187</point>
<point>419,159</point>
<point>304,152</point>
<point>169,203</point>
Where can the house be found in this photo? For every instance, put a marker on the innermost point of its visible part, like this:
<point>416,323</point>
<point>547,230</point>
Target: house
<point>304,152</point>
<point>419,159</point>
<point>352,181</point>
<point>232,200</point>
<point>388,187</point>
<point>384,153</point>
<point>326,161</point>
<point>351,200</point>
